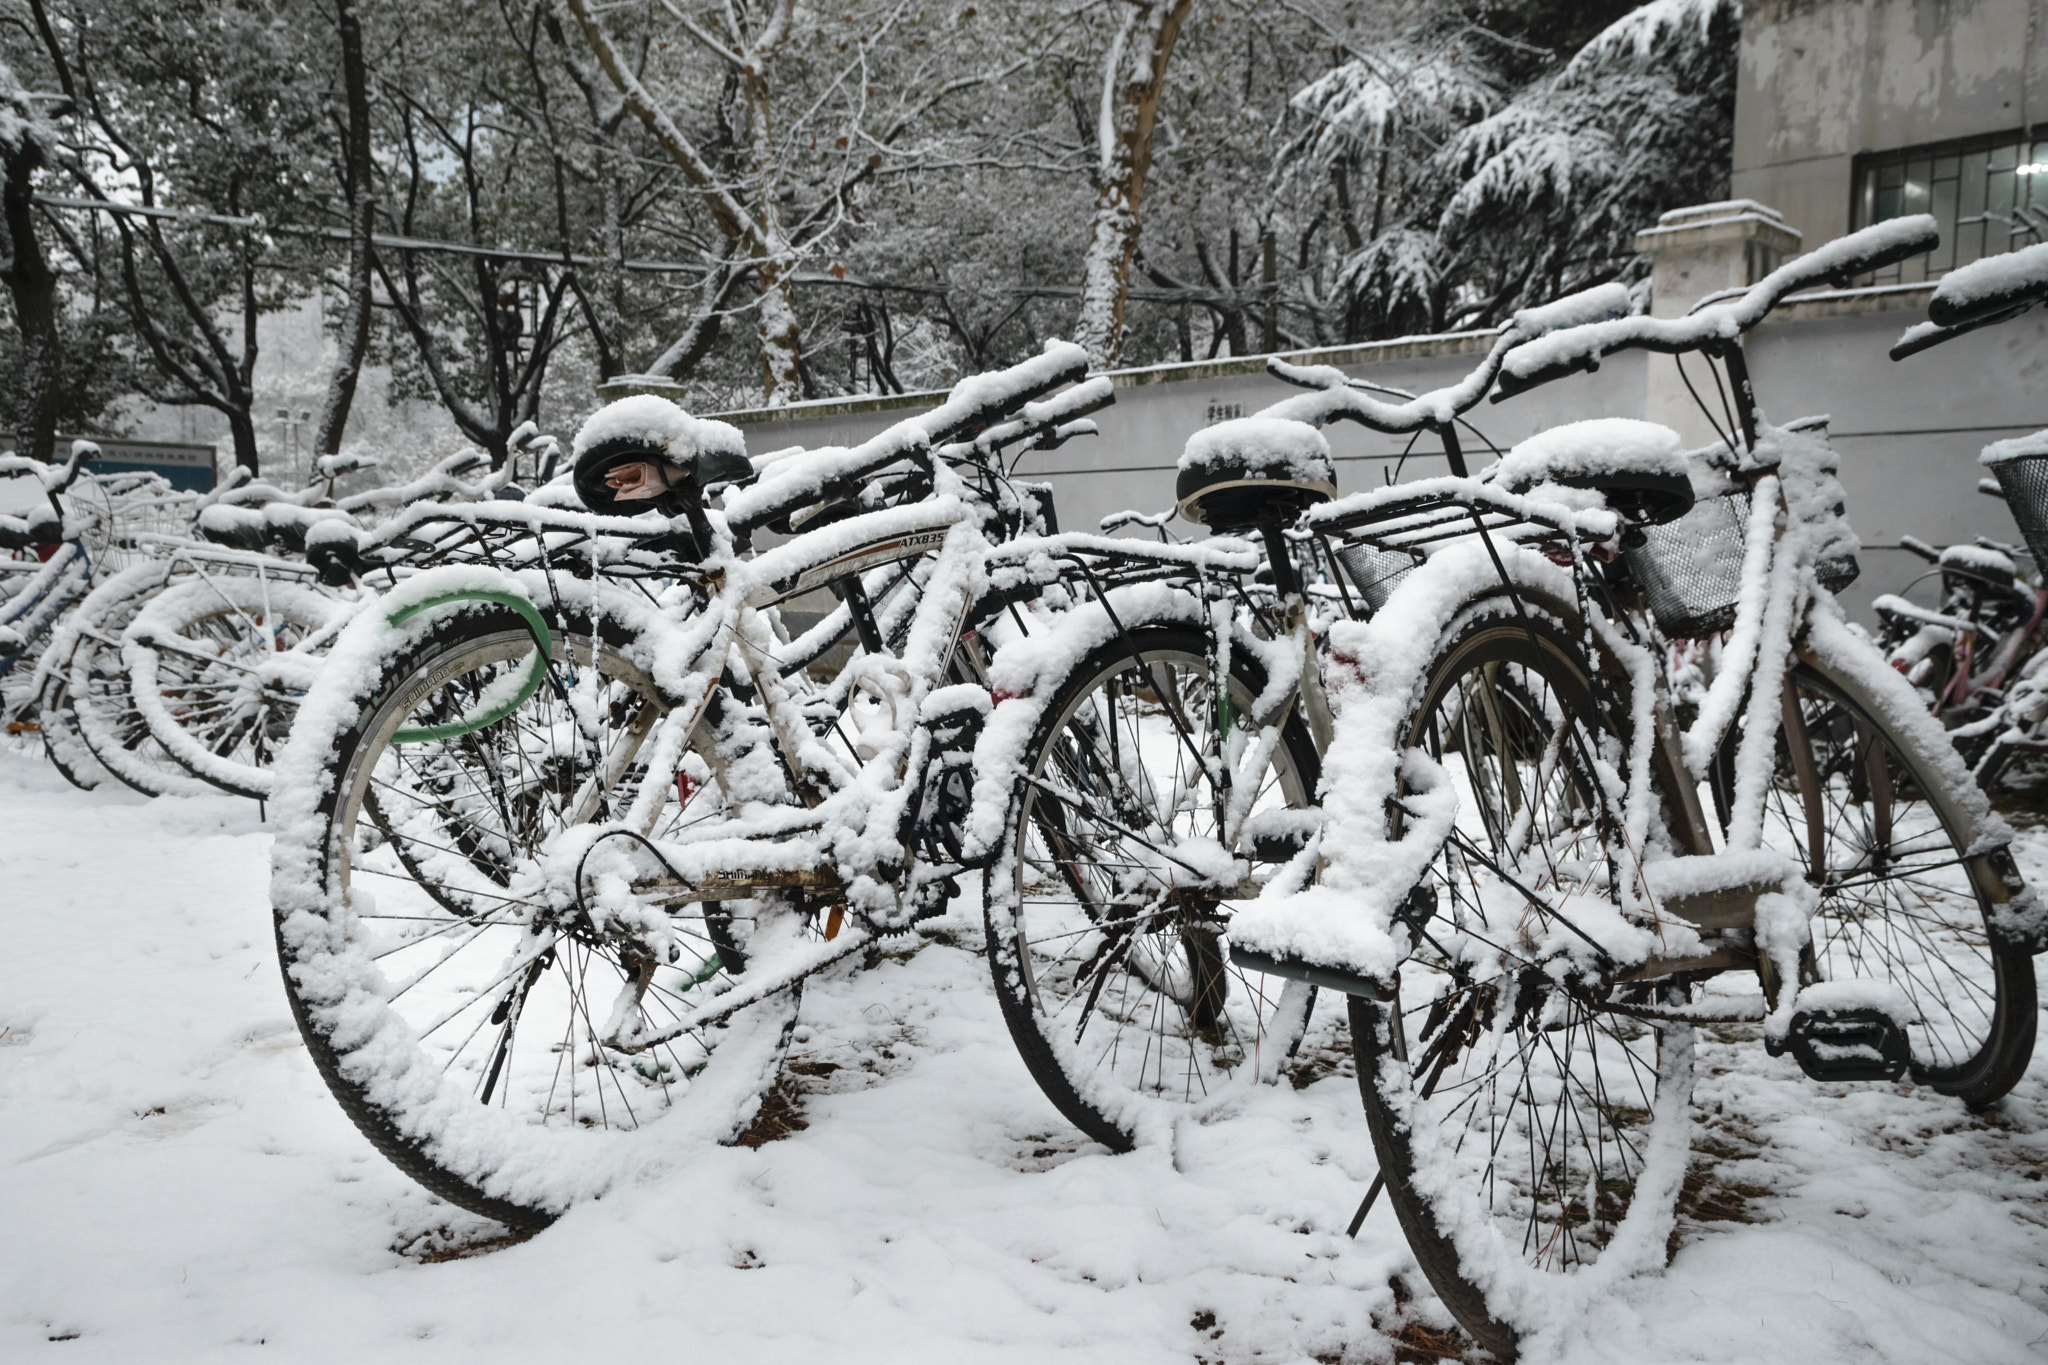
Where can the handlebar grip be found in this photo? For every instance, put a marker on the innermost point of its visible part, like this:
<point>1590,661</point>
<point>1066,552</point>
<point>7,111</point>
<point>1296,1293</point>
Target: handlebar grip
<point>1925,336</point>
<point>1873,248</point>
<point>1915,545</point>
<point>1991,289</point>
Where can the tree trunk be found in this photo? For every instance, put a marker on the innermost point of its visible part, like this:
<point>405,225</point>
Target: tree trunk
<point>242,428</point>
<point>1132,76</point>
<point>781,333</point>
<point>1269,296</point>
<point>354,331</point>
<point>33,285</point>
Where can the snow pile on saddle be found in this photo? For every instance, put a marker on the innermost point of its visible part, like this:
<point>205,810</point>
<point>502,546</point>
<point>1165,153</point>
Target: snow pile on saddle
<point>646,419</point>
<point>1578,452</point>
<point>1261,448</point>
<point>1979,559</point>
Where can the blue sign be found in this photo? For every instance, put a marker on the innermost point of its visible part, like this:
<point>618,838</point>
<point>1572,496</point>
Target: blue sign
<point>188,467</point>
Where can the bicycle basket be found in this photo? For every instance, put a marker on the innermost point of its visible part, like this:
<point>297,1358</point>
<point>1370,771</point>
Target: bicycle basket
<point>2023,478</point>
<point>1691,568</point>
<point>1374,572</point>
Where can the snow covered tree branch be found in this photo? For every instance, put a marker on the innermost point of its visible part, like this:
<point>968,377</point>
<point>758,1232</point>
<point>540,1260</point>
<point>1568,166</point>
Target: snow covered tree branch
<point>1133,74</point>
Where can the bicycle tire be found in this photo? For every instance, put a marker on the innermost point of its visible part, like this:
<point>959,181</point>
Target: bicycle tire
<point>62,744</point>
<point>1497,1094</point>
<point>1976,1000</point>
<point>203,665</point>
<point>109,724</point>
<point>433,1105</point>
<point>1203,1020</point>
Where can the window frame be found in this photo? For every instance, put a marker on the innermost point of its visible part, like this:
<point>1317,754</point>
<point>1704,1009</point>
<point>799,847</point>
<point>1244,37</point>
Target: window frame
<point>1959,188</point>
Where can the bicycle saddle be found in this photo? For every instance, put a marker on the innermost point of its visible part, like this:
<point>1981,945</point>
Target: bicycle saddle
<point>692,454</point>
<point>1638,466</point>
<point>1239,473</point>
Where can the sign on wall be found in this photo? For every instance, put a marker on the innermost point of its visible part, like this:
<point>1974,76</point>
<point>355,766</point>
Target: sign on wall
<point>186,466</point>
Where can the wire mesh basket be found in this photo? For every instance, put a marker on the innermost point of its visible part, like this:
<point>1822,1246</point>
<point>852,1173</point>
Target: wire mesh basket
<point>2024,481</point>
<point>1691,568</point>
<point>1374,572</point>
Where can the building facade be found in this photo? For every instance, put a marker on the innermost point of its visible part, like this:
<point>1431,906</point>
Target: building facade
<point>1848,112</point>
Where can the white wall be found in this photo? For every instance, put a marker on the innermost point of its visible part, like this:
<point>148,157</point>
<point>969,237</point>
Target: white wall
<point>1821,80</point>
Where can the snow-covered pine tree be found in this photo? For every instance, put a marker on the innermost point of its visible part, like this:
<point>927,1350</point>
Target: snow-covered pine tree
<point>1476,170</point>
<point>1376,122</point>
<point>1552,188</point>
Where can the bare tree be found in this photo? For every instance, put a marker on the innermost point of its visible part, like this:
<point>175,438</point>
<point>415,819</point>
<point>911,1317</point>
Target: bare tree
<point>26,143</point>
<point>752,193</point>
<point>1133,74</point>
<point>199,108</point>
<point>359,194</point>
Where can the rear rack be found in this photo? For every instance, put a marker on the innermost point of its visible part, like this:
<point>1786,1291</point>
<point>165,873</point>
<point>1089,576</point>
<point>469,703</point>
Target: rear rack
<point>515,535</point>
<point>1405,518</point>
<point>1117,561</point>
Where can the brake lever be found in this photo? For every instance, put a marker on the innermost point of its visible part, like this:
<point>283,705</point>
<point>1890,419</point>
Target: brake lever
<point>1925,336</point>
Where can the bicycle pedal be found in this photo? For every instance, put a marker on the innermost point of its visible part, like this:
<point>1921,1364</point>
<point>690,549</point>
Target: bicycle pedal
<point>1847,1045</point>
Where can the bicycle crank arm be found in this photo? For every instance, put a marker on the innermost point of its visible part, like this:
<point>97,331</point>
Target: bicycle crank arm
<point>755,987</point>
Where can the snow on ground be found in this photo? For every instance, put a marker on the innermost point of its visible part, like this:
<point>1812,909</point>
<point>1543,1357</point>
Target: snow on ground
<point>176,1184</point>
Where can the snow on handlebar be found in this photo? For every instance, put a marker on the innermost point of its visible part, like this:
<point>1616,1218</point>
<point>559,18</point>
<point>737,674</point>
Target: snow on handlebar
<point>1979,294</point>
<point>1580,348</point>
<point>1997,284</point>
<point>1335,399</point>
<point>800,480</point>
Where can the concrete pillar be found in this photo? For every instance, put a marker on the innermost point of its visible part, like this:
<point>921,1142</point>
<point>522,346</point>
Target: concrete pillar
<point>1700,251</point>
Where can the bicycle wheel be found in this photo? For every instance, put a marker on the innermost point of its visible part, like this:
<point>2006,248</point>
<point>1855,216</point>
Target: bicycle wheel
<point>216,669</point>
<point>463,1004</point>
<point>1526,1128</point>
<point>1885,842</point>
<point>109,723</point>
<point>1116,983</point>
<point>62,744</point>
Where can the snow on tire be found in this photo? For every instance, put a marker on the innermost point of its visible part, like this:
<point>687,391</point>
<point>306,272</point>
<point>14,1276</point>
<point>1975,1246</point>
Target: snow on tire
<point>1531,1131</point>
<point>466,1030</point>
<point>216,667</point>
<point>1117,985</point>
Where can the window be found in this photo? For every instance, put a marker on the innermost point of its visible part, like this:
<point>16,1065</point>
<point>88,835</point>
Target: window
<point>1990,194</point>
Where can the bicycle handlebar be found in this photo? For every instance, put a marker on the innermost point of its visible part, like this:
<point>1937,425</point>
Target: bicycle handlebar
<point>1580,349</point>
<point>801,480</point>
<point>1336,400</point>
<point>82,452</point>
<point>1984,290</point>
<point>1980,294</point>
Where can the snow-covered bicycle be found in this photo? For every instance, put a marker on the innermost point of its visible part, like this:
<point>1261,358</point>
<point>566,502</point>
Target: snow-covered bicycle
<point>46,566</point>
<point>1529,883</point>
<point>1976,638</point>
<point>559,845</point>
<point>1524,894</point>
<point>182,670</point>
<point>2010,719</point>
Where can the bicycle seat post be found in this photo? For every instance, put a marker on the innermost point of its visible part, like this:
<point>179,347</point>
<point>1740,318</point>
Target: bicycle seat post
<point>1286,582</point>
<point>1453,452</point>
